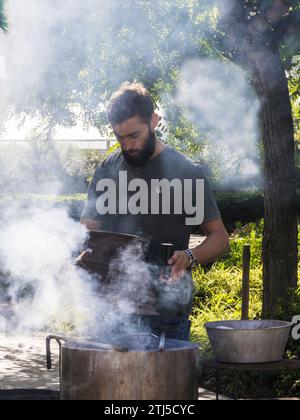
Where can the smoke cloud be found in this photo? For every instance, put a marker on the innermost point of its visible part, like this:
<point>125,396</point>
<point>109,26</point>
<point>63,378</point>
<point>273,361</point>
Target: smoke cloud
<point>54,60</point>
<point>38,249</point>
<point>221,103</point>
<point>70,47</point>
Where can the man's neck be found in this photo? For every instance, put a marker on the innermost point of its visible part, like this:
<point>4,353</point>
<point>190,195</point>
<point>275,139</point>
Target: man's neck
<point>159,147</point>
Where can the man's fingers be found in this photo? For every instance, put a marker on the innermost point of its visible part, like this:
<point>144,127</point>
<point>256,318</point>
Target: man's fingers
<point>176,275</point>
<point>174,258</point>
<point>179,266</point>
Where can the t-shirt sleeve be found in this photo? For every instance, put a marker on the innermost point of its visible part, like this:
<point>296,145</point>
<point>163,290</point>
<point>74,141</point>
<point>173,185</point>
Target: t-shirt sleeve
<point>90,210</point>
<point>211,210</point>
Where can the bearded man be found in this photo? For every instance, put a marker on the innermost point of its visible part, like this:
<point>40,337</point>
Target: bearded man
<point>162,213</point>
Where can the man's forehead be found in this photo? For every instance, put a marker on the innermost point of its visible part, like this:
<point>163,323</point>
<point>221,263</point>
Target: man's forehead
<point>130,126</point>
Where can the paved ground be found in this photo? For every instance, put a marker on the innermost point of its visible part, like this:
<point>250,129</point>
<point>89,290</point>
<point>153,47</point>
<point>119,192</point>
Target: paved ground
<point>196,240</point>
<point>23,363</point>
<point>205,395</point>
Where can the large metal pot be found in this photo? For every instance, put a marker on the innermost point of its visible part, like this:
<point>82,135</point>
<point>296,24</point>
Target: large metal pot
<point>102,248</point>
<point>134,367</point>
<point>248,341</point>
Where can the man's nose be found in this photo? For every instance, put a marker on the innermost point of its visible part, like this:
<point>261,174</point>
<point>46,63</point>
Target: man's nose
<point>128,144</point>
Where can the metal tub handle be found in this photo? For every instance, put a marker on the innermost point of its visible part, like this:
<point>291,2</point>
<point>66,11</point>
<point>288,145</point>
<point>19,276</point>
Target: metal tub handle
<point>58,339</point>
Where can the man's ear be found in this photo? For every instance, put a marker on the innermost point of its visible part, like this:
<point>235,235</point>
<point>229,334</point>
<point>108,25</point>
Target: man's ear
<point>154,121</point>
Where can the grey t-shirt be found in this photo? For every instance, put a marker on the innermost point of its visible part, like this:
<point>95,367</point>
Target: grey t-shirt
<point>159,228</point>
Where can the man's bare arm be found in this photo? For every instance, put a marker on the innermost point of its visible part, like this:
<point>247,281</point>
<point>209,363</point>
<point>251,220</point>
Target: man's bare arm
<point>216,243</point>
<point>91,224</point>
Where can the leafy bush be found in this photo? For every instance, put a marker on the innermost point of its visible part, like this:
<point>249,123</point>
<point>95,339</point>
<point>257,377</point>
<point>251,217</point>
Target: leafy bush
<point>80,163</point>
<point>73,203</point>
<point>250,234</point>
<point>219,297</point>
<point>38,165</point>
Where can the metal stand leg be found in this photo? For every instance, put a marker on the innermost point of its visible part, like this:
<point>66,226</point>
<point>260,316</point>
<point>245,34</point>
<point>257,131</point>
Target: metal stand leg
<point>217,384</point>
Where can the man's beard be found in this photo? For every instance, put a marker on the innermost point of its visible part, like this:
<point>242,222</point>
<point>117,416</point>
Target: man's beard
<point>144,155</point>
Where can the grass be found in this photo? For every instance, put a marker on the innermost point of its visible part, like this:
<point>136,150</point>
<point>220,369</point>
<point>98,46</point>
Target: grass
<point>219,297</point>
<point>219,290</point>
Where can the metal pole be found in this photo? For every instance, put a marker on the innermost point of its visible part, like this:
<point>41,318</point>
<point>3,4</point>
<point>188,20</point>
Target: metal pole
<point>246,282</point>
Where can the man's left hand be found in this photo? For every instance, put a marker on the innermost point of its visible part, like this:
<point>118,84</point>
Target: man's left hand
<point>179,263</point>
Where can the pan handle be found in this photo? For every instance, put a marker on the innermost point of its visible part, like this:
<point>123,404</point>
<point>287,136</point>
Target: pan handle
<point>162,342</point>
<point>58,339</point>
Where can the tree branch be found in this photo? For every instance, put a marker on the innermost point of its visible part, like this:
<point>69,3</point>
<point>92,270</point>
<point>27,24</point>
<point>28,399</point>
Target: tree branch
<point>288,25</point>
<point>277,11</point>
<point>3,20</point>
<point>232,12</point>
<point>233,22</point>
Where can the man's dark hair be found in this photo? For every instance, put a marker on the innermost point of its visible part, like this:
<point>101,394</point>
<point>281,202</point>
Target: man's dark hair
<point>130,100</point>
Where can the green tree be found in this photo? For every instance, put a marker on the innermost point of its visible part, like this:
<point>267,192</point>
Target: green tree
<point>3,21</point>
<point>253,34</point>
<point>103,43</point>
<point>91,53</point>
<point>294,88</point>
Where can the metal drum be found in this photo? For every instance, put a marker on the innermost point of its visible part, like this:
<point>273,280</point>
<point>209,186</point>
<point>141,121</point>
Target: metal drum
<point>132,367</point>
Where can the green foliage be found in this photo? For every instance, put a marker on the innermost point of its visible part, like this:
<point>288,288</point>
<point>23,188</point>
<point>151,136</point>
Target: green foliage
<point>218,297</point>
<point>85,70</point>
<point>73,203</point>
<point>79,163</point>
<point>113,149</point>
<point>218,291</point>
<point>136,39</point>
<point>52,199</point>
<point>294,88</point>
<point>39,163</point>
<point>250,234</point>
<point>148,43</point>
<point>3,20</point>
<point>69,322</point>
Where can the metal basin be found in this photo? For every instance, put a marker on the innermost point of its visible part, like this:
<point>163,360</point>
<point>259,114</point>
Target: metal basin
<point>248,341</point>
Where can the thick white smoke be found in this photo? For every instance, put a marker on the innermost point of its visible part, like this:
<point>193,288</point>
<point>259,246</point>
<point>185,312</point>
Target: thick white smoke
<point>221,102</point>
<point>53,57</point>
<point>37,253</point>
<point>68,48</point>
<point>38,249</point>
